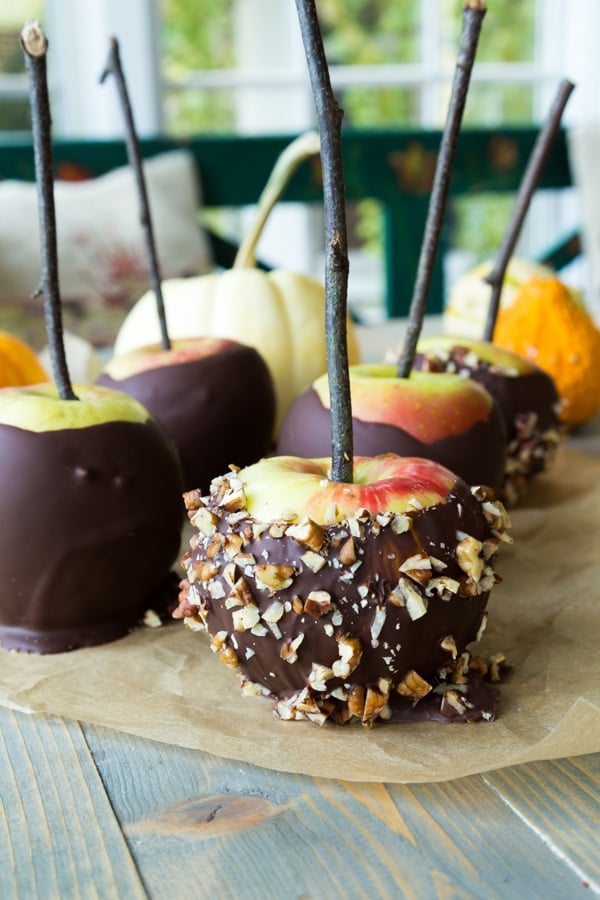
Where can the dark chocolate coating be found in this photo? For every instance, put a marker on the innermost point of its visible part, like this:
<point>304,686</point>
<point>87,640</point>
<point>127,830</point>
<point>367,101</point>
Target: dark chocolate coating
<point>478,455</point>
<point>219,409</point>
<point>92,522</point>
<point>363,604</point>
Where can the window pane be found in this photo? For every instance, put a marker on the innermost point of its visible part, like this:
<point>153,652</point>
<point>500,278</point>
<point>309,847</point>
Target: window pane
<point>14,110</point>
<point>197,34</point>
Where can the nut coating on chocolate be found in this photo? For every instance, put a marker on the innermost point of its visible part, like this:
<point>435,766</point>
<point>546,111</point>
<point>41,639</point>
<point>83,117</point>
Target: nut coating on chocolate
<point>219,409</point>
<point>92,526</point>
<point>528,402</point>
<point>360,618</point>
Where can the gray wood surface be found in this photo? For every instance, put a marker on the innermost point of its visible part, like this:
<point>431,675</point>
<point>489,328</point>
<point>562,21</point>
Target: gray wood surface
<point>88,812</point>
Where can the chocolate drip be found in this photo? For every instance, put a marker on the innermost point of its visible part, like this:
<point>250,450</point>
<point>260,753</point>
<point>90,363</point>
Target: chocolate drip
<point>95,523</point>
<point>478,455</point>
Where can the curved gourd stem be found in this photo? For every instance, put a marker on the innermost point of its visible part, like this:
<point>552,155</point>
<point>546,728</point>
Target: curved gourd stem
<point>303,147</point>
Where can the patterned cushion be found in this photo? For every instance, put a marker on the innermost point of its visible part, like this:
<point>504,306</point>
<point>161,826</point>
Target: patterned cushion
<point>102,260</point>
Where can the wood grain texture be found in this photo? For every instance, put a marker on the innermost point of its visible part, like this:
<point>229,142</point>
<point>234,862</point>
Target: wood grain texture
<point>560,802</point>
<point>199,826</point>
<point>58,835</point>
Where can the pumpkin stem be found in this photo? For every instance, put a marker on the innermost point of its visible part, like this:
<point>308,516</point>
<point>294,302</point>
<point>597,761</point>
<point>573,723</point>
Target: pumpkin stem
<point>529,182</point>
<point>329,117</point>
<point>473,13</point>
<point>113,67</point>
<point>35,46</point>
<point>303,147</point>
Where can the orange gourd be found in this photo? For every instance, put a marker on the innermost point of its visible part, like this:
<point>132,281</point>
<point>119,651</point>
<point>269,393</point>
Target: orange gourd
<point>18,363</point>
<point>547,327</point>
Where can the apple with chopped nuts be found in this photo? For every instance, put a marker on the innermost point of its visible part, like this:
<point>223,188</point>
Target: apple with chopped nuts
<point>338,600</point>
<point>445,418</point>
<point>526,397</point>
<point>214,396</point>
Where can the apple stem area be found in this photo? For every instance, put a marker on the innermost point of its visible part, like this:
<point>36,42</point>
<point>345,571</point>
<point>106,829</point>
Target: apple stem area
<point>529,182</point>
<point>329,116</point>
<point>113,67</point>
<point>35,45</point>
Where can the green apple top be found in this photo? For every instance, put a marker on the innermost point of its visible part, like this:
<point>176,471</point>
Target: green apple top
<point>291,489</point>
<point>39,408</point>
<point>429,406</point>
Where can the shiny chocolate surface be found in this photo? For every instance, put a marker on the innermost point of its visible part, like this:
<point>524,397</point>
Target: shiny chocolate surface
<point>92,523</point>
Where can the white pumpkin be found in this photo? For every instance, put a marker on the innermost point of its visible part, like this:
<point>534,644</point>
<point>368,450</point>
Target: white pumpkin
<point>281,314</point>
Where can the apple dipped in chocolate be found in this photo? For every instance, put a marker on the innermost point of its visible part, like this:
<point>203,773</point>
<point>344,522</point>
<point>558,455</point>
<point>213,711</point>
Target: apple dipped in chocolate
<point>89,483</point>
<point>345,588</point>
<point>399,411</point>
<point>526,395</point>
<point>214,396</point>
<point>343,600</point>
<point>451,420</point>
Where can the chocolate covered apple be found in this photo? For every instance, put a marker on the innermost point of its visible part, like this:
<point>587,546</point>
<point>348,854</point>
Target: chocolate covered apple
<point>345,588</point>
<point>92,517</point>
<point>214,396</point>
<point>445,418</point>
<point>346,600</point>
<point>89,482</point>
<point>526,397</point>
<point>395,410</point>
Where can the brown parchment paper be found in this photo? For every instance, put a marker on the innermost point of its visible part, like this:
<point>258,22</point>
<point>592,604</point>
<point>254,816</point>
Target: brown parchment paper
<point>165,684</point>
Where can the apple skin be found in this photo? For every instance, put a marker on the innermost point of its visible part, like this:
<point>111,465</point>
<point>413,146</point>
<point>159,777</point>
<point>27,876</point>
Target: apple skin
<point>289,569</point>
<point>283,486</point>
<point>214,396</point>
<point>526,397</point>
<point>91,501</point>
<point>450,420</point>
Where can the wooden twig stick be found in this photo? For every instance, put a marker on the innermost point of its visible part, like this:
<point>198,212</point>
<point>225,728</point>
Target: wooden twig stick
<point>35,45</point>
<point>113,67</point>
<point>329,117</point>
<point>473,13</point>
<point>529,182</point>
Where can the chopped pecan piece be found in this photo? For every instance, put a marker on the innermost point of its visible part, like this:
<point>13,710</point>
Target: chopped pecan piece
<point>412,685</point>
<point>307,533</point>
<point>275,577</point>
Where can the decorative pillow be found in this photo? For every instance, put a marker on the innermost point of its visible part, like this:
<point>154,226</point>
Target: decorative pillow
<point>102,259</point>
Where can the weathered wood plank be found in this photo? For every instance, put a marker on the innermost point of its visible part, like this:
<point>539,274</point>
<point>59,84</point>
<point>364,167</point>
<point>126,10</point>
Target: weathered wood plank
<point>58,834</point>
<point>559,801</point>
<point>198,825</point>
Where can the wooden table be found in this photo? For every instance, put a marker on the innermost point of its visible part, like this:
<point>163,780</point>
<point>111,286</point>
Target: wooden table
<point>88,812</point>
